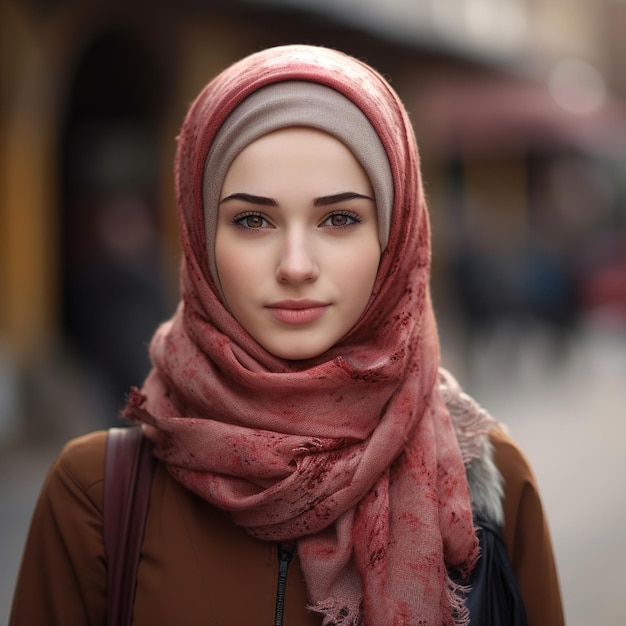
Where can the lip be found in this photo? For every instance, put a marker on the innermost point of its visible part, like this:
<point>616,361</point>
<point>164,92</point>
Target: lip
<point>297,311</point>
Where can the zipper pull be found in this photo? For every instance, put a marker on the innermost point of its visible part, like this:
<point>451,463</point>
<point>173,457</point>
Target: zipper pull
<point>285,555</point>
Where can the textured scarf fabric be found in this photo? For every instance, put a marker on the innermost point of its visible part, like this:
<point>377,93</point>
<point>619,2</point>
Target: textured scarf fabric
<point>352,454</point>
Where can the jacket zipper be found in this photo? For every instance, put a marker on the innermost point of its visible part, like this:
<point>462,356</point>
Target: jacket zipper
<point>285,555</point>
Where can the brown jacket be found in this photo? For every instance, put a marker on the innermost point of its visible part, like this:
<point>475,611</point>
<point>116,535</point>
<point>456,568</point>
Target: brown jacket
<point>197,567</point>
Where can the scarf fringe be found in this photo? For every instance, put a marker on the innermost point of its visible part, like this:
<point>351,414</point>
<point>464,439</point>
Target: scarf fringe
<point>134,410</point>
<point>471,422</point>
<point>457,594</point>
<point>337,613</point>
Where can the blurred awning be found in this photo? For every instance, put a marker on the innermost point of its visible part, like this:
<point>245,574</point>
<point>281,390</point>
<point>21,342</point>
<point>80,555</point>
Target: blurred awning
<point>501,113</point>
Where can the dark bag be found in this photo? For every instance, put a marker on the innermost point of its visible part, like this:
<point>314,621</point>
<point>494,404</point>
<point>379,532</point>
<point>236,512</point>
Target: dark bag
<point>128,470</point>
<point>494,598</point>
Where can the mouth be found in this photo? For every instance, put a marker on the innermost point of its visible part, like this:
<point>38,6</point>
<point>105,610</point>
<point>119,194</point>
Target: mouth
<point>297,311</point>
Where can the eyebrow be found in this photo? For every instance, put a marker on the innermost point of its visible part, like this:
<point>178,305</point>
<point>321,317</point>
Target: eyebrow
<point>321,201</point>
<point>339,197</point>
<point>248,197</point>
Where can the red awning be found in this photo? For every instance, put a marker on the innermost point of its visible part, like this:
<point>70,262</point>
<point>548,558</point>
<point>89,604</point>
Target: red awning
<point>488,114</point>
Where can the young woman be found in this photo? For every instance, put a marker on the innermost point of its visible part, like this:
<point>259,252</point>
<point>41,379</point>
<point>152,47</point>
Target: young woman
<point>307,439</point>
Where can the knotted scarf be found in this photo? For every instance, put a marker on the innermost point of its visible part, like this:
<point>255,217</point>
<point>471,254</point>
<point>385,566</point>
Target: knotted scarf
<point>351,455</point>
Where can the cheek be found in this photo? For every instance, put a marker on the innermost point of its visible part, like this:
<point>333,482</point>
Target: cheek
<point>360,275</point>
<point>234,270</point>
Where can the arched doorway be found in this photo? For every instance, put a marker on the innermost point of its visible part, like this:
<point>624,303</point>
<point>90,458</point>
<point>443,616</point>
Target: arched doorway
<point>112,296</point>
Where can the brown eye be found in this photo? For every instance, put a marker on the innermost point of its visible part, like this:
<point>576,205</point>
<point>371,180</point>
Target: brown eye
<point>251,221</point>
<point>340,220</point>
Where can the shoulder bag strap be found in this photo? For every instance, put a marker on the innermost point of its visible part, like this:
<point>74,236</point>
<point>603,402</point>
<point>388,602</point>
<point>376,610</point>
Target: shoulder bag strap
<point>128,473</point>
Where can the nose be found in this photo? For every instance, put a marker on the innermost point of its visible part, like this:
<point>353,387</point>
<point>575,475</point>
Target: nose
<point>297,262</point>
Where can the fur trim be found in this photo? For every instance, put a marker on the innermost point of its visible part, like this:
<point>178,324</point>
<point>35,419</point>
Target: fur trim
<point>486,486</point>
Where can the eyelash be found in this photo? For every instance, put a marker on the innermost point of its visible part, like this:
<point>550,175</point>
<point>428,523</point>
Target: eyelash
<point>354,217</point>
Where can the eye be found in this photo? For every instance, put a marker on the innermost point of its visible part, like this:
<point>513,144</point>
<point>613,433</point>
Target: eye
<point>252,221</point>
<point>341,219</point>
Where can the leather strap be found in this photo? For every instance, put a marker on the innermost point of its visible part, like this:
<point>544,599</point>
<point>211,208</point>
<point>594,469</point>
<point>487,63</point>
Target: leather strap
<point>127,479</point>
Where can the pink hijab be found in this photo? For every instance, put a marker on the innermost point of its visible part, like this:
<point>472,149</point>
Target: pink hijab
<point>351,455</point>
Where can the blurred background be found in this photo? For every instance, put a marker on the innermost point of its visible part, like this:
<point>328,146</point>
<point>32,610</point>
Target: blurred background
<point>519,107</point>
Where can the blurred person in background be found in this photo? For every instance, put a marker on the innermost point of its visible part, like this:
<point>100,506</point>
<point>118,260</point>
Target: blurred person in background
<point>314,464</point>
<point>115,297</point>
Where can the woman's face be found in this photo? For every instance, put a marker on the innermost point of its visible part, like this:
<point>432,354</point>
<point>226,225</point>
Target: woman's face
<point>296,244</point>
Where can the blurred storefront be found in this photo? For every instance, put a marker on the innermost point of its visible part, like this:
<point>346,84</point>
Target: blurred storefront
<point>517,107</point>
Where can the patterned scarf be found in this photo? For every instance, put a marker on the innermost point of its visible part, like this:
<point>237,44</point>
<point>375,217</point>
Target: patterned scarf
<point>352,454</point>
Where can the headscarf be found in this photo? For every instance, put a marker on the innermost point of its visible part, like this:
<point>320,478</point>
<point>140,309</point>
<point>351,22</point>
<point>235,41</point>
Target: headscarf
<point>351,455</point>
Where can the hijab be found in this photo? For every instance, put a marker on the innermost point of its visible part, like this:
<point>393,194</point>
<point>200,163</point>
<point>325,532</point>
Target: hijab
<point>351,455</point>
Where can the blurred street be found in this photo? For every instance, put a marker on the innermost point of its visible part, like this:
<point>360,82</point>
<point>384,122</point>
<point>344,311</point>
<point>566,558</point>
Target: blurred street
<point>519,110</point>
<point>570,420</point>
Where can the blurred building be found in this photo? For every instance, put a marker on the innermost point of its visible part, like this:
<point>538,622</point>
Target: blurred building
<point>517,105</point>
